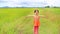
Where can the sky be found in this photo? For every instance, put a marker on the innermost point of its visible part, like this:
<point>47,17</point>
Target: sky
<point>29,3</point>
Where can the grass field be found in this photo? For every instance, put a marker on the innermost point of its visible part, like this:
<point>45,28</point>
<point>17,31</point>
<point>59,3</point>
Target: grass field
<point>13,21</point>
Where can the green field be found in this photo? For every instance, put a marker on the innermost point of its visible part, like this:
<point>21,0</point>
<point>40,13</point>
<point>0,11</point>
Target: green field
<point>13,21</point>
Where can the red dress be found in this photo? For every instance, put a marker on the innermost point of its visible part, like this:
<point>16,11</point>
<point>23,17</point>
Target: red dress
<point>36,21</point>
<point>36,24</point>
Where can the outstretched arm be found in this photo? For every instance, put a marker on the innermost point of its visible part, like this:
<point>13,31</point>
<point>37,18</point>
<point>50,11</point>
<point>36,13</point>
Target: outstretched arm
<point>43,16</point>
<point>29,16</point>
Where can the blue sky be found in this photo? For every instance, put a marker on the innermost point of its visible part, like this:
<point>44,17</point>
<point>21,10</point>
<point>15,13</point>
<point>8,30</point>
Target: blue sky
<point>29,3</point>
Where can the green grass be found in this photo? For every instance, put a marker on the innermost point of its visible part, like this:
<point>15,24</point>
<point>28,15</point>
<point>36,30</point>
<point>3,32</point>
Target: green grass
<point>13,21</point>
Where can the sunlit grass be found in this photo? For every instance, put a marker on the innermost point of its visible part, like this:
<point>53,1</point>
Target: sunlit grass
<point>13,21</point>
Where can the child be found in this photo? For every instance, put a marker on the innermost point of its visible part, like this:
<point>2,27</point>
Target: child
<point>36,17</point>
<point>36,21</point>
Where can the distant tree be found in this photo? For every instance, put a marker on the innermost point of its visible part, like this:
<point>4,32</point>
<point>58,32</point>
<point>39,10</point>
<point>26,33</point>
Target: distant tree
<point>56,7</point>
<point>47,6</point>
<point>6,6</point>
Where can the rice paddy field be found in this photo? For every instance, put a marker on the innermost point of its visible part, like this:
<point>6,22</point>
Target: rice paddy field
<point>13,21</point>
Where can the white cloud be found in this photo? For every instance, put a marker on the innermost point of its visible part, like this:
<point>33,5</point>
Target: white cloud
<point>29,3</point>
<point>53,2</point>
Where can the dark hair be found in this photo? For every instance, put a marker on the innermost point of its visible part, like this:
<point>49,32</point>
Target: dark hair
<point>36,10</point>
